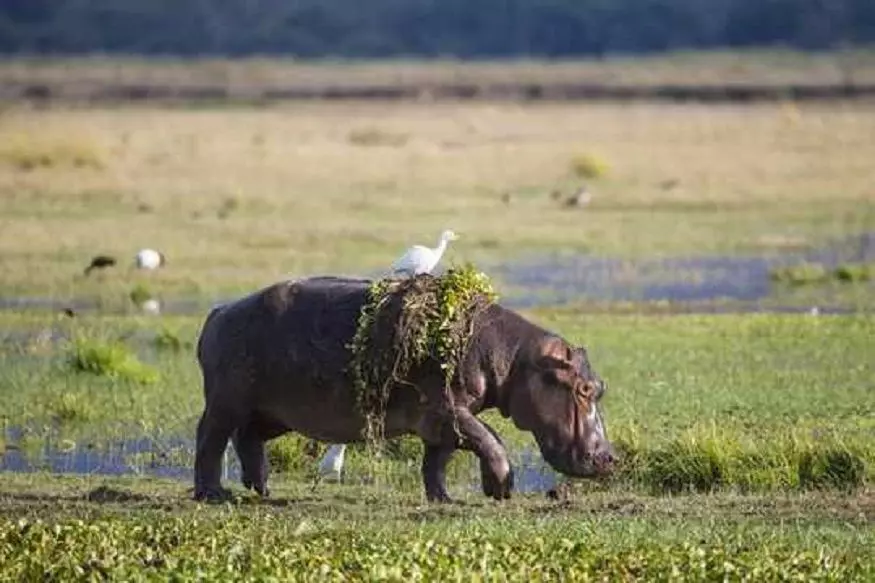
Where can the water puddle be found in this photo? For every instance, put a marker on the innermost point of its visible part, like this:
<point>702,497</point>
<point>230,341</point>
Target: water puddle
<point>559,279</point>
<point>174,458</point>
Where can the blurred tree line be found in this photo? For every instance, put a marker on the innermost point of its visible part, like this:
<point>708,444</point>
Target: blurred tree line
<point>463,28</point>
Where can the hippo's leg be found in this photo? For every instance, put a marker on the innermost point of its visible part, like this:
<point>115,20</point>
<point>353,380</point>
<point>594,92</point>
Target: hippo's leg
<point>491,483</point>
<point>213,431</point>
<point>495,470</point>
<point>434,466</point>
<point>253,459</point>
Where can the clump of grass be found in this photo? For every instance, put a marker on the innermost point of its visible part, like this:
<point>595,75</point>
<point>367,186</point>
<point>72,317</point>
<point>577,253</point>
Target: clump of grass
<point>802,274</point>
<point>139,294</point>
<point>376,137</point>
<point>854,272</point>
<point>810,273</point>
<point>698,461</point>
<point>31,152</point>
<point>169,340</point>
<point>70,407</point>
<point>108,359</point>
<point>686,464</point>
<point>831,467</point>
<point>290,453</point>
<point>589,166</point>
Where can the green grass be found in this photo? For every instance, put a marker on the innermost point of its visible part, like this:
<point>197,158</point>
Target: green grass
<point>60,528</point>
<point>816,273</point>
<point>746,447</point>
<point>727,402</point>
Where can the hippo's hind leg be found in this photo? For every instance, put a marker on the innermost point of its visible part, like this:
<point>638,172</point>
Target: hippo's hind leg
<point>213,431</point>
<point>434,472</point>
<point>249,446</point>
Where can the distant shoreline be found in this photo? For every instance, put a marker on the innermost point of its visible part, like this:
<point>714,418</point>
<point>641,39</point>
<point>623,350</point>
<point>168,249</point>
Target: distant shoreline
<point>728,76</point>
<point>41,92</point>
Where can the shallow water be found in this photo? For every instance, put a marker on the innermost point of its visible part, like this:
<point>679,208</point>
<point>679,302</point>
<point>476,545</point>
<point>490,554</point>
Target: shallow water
<point>174,458</point>
<point>568,278</point>
<point>145,456</point>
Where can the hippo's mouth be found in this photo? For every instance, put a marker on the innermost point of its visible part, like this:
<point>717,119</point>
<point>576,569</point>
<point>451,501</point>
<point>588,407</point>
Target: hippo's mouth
<point>573,461</point>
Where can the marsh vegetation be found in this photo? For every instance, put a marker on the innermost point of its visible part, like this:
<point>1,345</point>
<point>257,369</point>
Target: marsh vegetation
<point>747,441</point>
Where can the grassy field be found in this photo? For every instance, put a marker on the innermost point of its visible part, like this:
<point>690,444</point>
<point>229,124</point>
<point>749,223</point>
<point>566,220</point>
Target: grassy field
<point>238,198</point>
<point>701,402</point>
<point>747,448</point>
<point>747,441</point>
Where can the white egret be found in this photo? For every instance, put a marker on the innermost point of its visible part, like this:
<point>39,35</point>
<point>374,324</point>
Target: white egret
<point>149,259</point>
<point>420,259</point>
<point>331,465</point>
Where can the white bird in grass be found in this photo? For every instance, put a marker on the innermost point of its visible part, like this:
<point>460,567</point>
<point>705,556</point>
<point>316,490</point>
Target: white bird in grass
<point>149,259</point>
<point>331,464</point>
<point>420,259</point>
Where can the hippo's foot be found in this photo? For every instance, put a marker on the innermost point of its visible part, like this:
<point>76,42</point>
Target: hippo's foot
<point>440,497</point>
<point>212,494</point>
<point>260,489</point>
<point>495,486</point>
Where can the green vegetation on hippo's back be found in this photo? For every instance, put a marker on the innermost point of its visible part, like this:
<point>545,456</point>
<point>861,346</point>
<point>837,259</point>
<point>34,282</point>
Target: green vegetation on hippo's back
<point>403,323</point>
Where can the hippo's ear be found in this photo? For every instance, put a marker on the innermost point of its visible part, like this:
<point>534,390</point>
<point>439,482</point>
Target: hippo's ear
<point>554,352</point>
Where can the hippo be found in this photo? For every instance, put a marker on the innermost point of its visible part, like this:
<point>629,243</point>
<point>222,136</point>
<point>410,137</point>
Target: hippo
<point>277,361</point>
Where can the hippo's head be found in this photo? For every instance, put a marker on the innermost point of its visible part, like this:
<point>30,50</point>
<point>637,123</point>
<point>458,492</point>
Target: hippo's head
<point>556,395</point>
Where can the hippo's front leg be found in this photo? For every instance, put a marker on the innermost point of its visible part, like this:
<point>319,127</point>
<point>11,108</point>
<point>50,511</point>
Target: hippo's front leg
<point>496,473</point>
<point>494,481</point>
<point>441,440</point>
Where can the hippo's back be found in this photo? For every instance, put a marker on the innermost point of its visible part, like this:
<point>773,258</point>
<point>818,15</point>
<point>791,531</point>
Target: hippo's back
<point>296,324</point>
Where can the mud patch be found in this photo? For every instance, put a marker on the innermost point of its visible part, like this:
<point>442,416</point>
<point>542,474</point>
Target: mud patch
<point>105,494</point>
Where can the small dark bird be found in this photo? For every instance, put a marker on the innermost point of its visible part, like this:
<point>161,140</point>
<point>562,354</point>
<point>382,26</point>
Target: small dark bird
<point>69,312</point>
<point>100,262</point>
<point>505,198</point>
<point>556,194</point>
<point>581,197</point>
